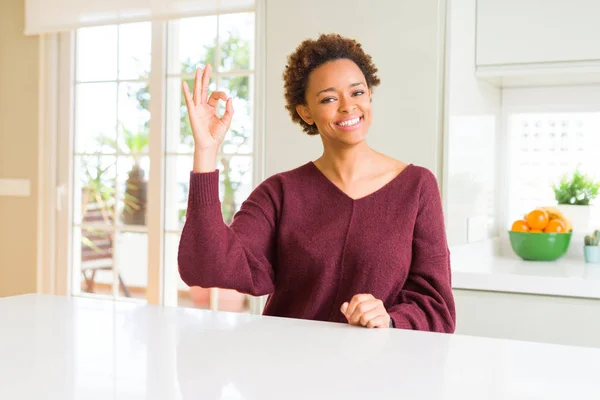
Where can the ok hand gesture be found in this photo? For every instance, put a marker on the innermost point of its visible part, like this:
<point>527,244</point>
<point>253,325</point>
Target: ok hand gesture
<point>208,129</point>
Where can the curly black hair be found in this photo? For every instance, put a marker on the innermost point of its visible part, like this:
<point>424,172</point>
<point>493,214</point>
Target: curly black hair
<point>311,54</point>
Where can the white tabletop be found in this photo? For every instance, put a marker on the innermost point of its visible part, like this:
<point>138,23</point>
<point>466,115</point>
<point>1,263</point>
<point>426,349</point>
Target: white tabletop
<point>72,348</point>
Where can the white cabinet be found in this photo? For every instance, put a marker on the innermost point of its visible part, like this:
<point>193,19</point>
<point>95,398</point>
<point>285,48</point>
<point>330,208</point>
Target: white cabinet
<point>537,42</point>
<point>548,319</point>
<point>536,31</point>
<point>513,32</point>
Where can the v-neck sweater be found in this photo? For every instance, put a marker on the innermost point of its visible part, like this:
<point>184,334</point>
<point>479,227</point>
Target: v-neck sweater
<point>310,247</point>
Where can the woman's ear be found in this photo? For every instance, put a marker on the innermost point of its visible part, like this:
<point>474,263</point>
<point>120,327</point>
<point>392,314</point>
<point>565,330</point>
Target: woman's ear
<point>304,113</point>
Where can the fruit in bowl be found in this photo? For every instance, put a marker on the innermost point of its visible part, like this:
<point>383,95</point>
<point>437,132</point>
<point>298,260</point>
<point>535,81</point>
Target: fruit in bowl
<point>544,234</point>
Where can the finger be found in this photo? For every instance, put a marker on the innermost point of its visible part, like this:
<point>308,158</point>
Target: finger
<point>197,86</point>
<point>354,301</point>
<point>228,115</point>
<point>367,316</point>
<point>344,308</point>
<point>205,81</point>
<point>214,98</point>
<point>188,96</point>
<point>363,308</point>
<point>381,321</point>
<point>359,298</point>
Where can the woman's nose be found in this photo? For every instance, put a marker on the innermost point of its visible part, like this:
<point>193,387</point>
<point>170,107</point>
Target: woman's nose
<point>347,105</point>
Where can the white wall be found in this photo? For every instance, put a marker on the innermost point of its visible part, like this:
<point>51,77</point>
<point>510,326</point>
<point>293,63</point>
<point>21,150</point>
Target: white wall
<point>405,39</point>
<point>549,319</point>
<point>473,115</point>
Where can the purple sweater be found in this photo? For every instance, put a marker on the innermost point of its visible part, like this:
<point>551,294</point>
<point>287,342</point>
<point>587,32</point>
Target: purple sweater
<point>310,247</point>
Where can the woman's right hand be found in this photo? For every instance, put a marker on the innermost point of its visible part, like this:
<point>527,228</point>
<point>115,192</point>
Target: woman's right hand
<point>208,129</point>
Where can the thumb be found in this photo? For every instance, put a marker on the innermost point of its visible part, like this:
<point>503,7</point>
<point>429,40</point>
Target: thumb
<point>344,308</point>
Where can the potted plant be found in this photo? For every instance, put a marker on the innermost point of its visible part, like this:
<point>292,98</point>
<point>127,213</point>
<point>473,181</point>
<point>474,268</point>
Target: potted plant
<point>134,143</point>
<point>592,248</point>
<point>575,195</point>
<point>134,207</point>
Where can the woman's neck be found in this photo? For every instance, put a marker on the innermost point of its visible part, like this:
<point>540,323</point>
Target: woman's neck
<point>349,164</point>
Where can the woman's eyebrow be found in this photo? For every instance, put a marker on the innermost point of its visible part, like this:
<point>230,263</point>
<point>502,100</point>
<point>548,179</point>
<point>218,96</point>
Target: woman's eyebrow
<point>331,89</point>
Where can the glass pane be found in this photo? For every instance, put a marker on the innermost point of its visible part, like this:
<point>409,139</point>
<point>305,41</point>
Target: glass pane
<point>95,189</point>
<point>194,45</point>
<point>177,181</point>
<point>132,178</point>
<point>95,117</point>
<point>236,38</point>
<point>94,248</point>
<point>179,132</point>
<point>135,42</point>
<point>131,256</point>
<point>545,147</point>
<point>239,137</point>
<point>236,183</point>
<point>96,54</point>
<point>134,117</point>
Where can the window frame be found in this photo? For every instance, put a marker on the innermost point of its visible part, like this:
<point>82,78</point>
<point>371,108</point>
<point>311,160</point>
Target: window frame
<point>523,100</point>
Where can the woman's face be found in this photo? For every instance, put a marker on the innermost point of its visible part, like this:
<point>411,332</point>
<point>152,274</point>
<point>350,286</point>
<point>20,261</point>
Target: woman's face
<point>338,101</point>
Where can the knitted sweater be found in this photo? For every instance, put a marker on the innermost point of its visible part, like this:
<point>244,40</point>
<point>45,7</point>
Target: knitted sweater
<point>310,247</point>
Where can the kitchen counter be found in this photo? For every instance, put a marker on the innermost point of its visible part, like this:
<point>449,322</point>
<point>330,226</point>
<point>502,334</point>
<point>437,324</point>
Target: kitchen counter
<point>476,268</point>
<point>74,348</point>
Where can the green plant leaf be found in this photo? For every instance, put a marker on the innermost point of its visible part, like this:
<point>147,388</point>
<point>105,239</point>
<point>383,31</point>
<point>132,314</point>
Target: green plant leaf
<point>579,189</point>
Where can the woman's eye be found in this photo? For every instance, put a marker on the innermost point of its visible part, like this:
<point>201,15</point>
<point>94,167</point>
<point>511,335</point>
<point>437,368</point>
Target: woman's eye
<point>332,99</point>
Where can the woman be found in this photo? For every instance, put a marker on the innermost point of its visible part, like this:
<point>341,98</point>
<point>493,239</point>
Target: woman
<point>354,236</point>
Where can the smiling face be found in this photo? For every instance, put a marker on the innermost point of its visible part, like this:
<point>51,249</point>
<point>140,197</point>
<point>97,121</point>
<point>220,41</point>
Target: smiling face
<point>338,102</point>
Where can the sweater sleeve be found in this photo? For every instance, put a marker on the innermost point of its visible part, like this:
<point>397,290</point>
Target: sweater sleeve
<point>239,256</point>
<point>426,302</point>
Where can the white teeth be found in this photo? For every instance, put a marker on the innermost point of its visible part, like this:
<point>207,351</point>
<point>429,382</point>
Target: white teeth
<point>349,122</point>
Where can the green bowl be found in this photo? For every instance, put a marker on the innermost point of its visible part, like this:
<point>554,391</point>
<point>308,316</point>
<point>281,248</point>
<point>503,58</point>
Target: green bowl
<point>540,246</point>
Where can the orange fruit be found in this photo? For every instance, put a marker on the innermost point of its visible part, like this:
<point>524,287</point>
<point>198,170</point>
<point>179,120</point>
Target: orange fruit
<point>520,225</point>
<point>538,219</point>
<point>535,231</point>
<point>556,226</point>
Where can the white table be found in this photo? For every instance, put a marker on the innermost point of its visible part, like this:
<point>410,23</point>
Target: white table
<point>72,348</point>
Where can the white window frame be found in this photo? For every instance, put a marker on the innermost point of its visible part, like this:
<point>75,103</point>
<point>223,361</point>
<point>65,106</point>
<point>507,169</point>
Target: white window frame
<point>55,204</point>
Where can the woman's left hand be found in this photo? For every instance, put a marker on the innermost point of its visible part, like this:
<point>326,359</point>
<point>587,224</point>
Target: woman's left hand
<point>366,310</point>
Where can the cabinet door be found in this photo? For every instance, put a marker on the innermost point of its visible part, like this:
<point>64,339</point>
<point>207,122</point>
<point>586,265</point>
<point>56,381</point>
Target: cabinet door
<point>537,31</point>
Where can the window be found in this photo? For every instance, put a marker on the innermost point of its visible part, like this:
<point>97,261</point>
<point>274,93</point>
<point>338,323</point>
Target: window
<point>227,43</point>
<point>111,149</point>
<point>110,160</point>
<point>543,147</point>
